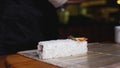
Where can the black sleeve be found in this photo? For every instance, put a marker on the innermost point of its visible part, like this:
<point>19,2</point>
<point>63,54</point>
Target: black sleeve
<point>23,23</point>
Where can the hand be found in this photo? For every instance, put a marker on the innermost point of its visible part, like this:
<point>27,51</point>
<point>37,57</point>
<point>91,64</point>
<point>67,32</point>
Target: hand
<point>57,3</point>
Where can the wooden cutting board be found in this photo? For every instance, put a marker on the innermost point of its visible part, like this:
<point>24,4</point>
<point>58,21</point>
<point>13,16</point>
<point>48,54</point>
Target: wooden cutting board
<point>99,55</point>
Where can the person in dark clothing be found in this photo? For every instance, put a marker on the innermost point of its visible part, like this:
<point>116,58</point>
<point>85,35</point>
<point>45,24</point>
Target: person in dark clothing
<point>23,23</point>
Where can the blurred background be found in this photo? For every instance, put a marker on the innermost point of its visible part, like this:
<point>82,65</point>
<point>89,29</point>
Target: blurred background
<point>94,19</point>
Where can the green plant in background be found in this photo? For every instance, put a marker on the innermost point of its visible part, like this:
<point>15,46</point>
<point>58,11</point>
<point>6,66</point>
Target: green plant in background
<point>65,12</point>
<point>73,9</point>
<point>63,15</point>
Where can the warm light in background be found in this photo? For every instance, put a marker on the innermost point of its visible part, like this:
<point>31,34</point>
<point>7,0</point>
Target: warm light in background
<point>118,1</point>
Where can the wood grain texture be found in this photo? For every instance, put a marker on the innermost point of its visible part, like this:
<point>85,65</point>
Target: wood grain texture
<point>18,61</point>
<point>2,61</point>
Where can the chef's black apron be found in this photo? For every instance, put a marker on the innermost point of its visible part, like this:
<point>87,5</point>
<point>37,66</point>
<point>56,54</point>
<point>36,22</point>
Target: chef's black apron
<point>23,23</point>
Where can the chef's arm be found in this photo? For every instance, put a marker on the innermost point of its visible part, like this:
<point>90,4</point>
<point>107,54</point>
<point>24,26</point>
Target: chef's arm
<point>57,3</point>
